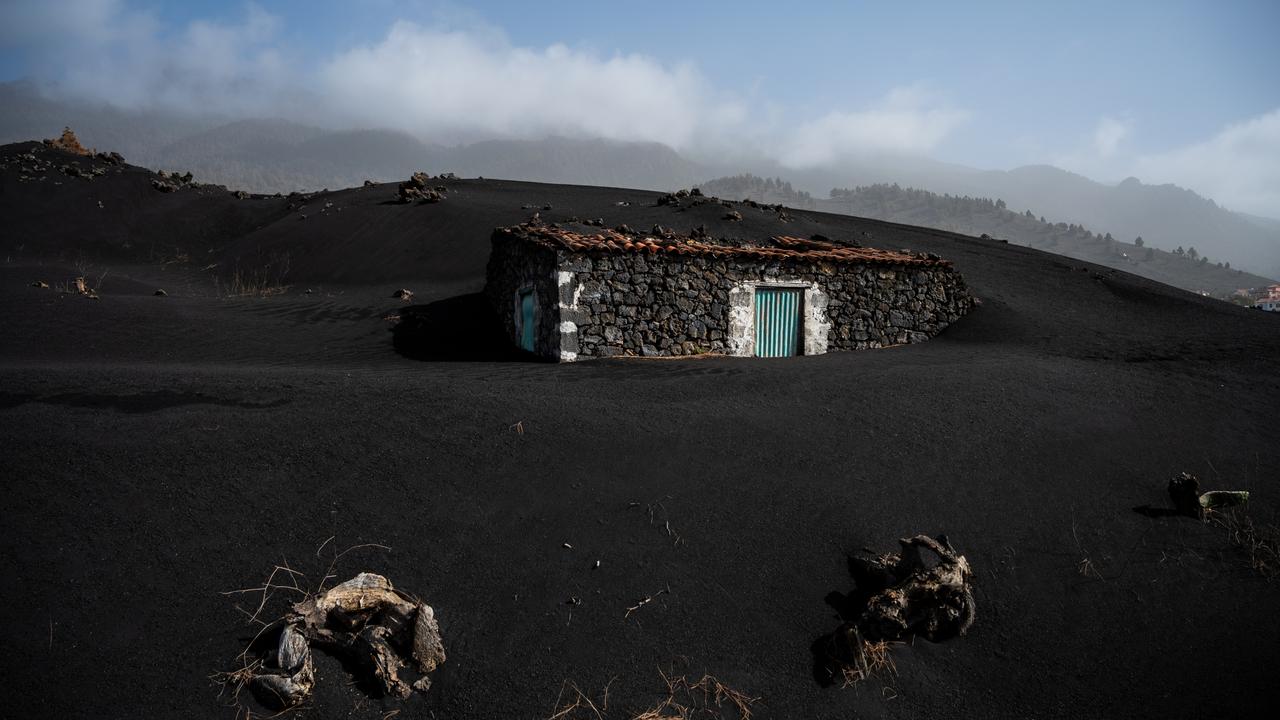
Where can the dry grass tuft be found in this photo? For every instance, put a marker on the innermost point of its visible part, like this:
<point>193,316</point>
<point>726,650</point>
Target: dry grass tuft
<point>707,698</point>
<point>1086,569</point>
<point>1260,543</point>
<point>704,698</point>
<point>875,662</point>
<point>264,281</point>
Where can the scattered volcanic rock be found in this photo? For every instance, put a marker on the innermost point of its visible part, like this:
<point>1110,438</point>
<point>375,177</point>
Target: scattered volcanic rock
<point>404,294</point>
<point>110,158</point>
<point>1184,491</point>
<point>168,182</point>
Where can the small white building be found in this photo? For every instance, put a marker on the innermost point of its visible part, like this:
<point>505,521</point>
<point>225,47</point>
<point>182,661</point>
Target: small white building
<point>1268,304</point>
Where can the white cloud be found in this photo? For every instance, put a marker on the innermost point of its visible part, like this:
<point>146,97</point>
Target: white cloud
<point>1239,167</point>
<point>445,82</point>
<point>453,82</point>
<point>1108,135</point>
<point>907,121</point>
<point>1102,153</point>
<point>102,50</point>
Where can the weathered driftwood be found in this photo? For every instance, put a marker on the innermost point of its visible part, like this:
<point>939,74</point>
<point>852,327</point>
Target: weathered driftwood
<point>363,620</point>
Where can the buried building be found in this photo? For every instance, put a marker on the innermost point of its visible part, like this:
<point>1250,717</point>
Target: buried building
<point>569,292</point>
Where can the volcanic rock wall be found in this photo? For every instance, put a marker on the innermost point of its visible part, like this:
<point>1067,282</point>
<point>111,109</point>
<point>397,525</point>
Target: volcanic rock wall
<point>612,304</point>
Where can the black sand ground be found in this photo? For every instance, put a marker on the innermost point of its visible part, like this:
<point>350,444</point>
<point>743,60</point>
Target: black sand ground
<point>159,451</point>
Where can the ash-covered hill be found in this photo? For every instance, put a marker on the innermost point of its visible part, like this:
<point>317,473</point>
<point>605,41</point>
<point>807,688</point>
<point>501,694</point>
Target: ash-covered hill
<point>75,209</point>
<point>273,155</point>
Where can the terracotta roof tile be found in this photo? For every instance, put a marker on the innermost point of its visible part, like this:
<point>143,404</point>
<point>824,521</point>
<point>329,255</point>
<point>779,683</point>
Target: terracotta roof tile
<point>780,247</point>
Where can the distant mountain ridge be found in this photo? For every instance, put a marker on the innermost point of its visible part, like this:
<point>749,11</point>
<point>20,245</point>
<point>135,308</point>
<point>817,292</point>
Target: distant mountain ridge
<point>1186,268</point>
<point>273,155</point>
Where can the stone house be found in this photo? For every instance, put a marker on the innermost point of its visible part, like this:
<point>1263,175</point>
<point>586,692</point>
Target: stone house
<point>570,292</point>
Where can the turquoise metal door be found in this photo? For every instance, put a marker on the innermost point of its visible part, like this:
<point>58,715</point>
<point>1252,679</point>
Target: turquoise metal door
<point>778,321</point>
<point>526,320</point>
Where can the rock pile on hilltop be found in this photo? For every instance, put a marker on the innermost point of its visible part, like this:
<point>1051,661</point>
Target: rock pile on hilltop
<point>68,142</point>
<point>37,165</point>
<point>416,189</point>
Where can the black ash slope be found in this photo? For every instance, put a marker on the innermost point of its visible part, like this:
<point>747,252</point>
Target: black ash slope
<point>160,451</point>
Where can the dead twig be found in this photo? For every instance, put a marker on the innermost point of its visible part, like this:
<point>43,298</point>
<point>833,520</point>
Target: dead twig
<point>651,510</point>
<point>646,600</point>
<point>329,574</point>
<point>1085,567</point>
<point>566,709</point>
<point>267,590</point>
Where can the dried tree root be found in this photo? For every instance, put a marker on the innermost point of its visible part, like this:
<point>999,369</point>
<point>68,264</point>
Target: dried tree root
<point>901,595</point>
<point>935,601</point>
<point>364,620</point>
<point>293,656</point>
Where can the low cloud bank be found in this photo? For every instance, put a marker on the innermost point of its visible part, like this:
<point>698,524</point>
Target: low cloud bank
<point>443,84</point>
<point>1239,167</point>
<point>462,84</point>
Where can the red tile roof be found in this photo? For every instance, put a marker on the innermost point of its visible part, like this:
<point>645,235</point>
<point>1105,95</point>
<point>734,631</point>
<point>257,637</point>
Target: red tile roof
<point>776,248</point>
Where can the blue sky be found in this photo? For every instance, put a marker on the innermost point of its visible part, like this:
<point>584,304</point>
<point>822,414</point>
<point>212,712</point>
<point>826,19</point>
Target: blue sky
<point>1104,88</point>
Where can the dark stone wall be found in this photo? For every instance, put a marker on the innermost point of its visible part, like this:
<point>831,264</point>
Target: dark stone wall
<point>661,304</point>
<point>514,265</point>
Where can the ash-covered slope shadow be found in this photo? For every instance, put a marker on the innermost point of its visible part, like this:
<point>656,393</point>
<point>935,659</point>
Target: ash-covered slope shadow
<point>463,328</point>
<point>135,403</point>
